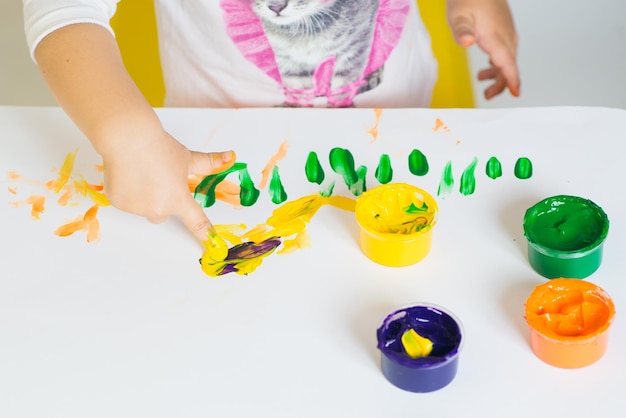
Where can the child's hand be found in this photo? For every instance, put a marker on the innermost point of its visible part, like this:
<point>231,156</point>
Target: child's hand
<point>150,178</point>
<point>489,24</point>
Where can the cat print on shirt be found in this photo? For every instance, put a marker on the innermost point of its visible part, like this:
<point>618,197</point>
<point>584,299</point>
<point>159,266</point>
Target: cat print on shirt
<point>331,49</point>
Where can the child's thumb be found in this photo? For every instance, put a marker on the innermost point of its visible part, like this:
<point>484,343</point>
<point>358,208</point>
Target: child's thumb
<point>206,163</point>
<point>463,30</point>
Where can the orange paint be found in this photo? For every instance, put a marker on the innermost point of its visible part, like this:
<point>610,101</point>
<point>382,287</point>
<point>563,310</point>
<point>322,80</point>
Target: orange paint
<point>569,321</point>
<point>12,190</point>
<point>13,175</point>
<point>373,131</point>
<point>439,125</point>
<point>228,192</point>
<point>88,222</point>
<point>37,203</point>
<point>267,170</point>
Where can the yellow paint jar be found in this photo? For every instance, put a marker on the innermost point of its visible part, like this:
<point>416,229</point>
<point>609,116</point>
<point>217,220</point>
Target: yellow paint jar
<point>569,322</point>
<point>396,222</point>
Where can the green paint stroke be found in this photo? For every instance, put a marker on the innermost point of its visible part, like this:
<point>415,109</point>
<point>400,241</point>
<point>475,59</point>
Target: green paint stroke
<point>523,168</point>
<point>248,194</point>
<point>342,163</point>
<point>447,180</point>
<point>493,168</point>
<point>467,184</point>
<point>384,171</point>
<point>276,189</point>
<point>204,193</point>
<point>328,191</point>
<point>313,169</point>
<point>418,163</point>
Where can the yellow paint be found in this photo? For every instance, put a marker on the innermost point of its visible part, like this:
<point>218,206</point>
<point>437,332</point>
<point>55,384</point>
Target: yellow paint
<point>396,222</point>
<point>65,172</point>
<point>287,222</point>
<point>415,345</point>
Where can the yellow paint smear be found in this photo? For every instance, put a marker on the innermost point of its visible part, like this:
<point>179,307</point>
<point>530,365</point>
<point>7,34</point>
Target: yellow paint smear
<point>65,172</point>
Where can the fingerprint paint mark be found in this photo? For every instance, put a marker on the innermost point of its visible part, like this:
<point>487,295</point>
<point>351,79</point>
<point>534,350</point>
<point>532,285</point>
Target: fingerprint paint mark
<point>276,188</point>
<point>384,171</point>
<point>313,169</point>
<point>493,168</point>
<point>523,168</point>
<point>467,184</point>
<point>447,180</point>
<point>342,163</point>
<point>418,163</point>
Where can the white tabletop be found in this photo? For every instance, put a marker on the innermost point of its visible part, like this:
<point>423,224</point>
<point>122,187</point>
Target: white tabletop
<point>129,326</point>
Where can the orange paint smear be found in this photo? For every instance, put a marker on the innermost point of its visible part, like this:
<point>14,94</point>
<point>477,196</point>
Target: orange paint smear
<point>37,203</point>
<point>88,222</point>
<point>373,131</point>
<point>228,192</point>
<point>440,126</point>
<point>13,175</point>
<point>12,190</point>
<point>267,171</point>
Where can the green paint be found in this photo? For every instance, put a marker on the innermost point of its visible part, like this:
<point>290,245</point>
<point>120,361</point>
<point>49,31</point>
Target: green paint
<point>204,193</point>
<point>565,223</point>
<point>418,163</point>
<point>248,194</point>
<point>328,191</point>
<point>523,168</point>
<point>384,172</point>
<point>493,168</point>
<point>412,209</point>
<point>467,184</point>
<point>342,163</point>
<point>447,180</point>
<point>276,189</point>
<point>313,169</point>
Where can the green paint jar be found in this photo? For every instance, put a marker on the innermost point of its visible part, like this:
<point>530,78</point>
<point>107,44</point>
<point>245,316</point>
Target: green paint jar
<point>565,236</point>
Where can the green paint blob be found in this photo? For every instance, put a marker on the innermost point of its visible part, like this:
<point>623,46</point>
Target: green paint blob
<point>467,184</point>
<point>248,194</point>
<point>276,189</point>
<point>523,168</point>
<point>342,163</point>
<point>384,172</point>
<point>447,180</point>
<point>313,169</point>
<point>565,223</point>
<point>204,193</point>
<point>418,163</point>
<point>493,168</point>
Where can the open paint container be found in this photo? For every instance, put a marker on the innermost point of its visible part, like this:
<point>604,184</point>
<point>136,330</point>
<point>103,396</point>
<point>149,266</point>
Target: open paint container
<point>569,322</point>
<point>420,347</point>
<point>565,236</point>
<point>396,222</point>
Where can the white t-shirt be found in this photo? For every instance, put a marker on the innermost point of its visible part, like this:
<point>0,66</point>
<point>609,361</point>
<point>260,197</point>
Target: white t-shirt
<point>244,53</point>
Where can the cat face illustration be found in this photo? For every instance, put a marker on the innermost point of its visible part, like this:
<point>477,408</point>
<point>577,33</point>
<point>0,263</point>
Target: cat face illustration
<point>287,12</point>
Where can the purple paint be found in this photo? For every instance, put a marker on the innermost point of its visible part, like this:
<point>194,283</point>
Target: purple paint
<point>422,374</point>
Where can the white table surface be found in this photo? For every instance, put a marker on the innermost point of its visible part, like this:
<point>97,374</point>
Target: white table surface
<point>129,326</point>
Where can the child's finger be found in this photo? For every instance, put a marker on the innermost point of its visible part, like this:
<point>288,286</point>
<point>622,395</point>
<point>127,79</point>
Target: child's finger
<point>205,163</point>
<point>195,219</point>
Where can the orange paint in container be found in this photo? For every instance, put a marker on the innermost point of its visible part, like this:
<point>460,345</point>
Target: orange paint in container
<point>569,322</point>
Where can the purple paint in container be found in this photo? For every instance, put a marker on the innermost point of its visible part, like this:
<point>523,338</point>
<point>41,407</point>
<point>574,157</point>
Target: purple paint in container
<point>422,374</point>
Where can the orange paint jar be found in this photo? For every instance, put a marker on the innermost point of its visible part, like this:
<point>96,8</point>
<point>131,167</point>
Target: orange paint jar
<point>569,322</point>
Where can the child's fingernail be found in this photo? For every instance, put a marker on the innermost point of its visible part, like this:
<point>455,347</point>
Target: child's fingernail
<point>228,156</point>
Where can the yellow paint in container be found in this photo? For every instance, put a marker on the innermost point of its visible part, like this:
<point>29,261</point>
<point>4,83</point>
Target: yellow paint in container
<point>396,222</point>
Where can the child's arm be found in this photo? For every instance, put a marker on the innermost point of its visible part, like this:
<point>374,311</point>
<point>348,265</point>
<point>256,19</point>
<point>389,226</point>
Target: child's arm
<point>489,24</point>
<point>146,169</point>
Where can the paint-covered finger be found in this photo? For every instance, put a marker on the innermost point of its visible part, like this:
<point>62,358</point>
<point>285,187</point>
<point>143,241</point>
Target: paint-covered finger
<point>206,163</point>
<point>195,219</point>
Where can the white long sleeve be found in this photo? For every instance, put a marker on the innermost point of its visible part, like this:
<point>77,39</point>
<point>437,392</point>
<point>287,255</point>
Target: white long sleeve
<point>42,17</point>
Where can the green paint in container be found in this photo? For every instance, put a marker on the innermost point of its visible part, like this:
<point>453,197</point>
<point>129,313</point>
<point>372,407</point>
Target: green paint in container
<point>565,236</point>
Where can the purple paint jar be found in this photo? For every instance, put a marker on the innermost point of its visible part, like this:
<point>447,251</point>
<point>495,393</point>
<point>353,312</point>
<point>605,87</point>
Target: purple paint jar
<point>421,374</point>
